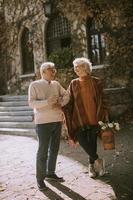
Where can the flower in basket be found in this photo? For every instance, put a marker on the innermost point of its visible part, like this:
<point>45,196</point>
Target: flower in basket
<point>113,126</point>
<point>107,134</point>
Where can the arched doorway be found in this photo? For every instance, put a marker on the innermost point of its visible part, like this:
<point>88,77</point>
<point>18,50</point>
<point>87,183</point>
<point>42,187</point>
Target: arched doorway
<point>27,52</point>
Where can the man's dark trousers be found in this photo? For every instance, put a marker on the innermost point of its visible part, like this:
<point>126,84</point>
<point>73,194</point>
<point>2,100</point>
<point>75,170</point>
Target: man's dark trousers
<point>49,141</point>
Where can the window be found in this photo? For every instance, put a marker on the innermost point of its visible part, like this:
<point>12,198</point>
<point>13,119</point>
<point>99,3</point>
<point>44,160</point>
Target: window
<point>58,34</point>
<point>97,48</point>
<point>27,52</point>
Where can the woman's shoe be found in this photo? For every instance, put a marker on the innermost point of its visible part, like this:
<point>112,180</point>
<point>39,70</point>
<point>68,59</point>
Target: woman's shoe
<point>92,173</point>
<point>99,166</point>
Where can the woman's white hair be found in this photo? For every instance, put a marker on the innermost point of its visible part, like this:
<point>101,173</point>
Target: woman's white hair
<point>45,66</point>
<point>84,63</point>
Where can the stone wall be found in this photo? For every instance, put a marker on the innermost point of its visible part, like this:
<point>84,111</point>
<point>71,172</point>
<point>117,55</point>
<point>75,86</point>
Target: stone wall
<point>119,100</point>
<point>20,14</point>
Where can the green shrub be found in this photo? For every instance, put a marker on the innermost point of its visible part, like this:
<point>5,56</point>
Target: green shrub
<point>62,57</point>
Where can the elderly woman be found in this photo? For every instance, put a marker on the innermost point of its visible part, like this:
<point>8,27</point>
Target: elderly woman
<point>86,107</point>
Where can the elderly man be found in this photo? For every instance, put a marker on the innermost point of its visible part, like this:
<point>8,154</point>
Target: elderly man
<point>46,96</point>
<point>87,106</point>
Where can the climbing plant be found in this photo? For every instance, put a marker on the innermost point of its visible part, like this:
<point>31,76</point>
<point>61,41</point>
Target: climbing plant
<point>117,18</point>
<point>62,58</point>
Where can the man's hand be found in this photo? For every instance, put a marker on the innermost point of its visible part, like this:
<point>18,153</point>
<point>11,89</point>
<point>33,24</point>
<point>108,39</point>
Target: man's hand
<point>56,105</point>
<point>52,100</point>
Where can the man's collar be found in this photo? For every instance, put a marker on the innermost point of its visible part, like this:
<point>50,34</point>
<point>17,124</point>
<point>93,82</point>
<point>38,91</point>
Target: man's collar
<point>48,82</point>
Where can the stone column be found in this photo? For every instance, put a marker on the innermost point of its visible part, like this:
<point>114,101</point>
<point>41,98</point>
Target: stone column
<point>79,40</point>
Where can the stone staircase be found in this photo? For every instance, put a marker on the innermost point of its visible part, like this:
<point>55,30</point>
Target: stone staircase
<point>16,117</point>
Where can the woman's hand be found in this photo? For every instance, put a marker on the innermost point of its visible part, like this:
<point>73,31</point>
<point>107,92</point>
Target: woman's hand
<point>72,143</point>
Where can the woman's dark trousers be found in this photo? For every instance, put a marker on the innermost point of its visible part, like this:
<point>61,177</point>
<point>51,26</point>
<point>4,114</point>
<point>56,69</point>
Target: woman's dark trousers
<point>88,140</point>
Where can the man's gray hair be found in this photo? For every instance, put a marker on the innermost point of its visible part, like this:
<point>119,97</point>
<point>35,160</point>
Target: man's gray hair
<point>83,62</point>
<point>46,65</point>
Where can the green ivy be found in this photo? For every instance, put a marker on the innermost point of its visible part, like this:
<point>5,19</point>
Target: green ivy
<point>117,18</point>
<point>62,57</point>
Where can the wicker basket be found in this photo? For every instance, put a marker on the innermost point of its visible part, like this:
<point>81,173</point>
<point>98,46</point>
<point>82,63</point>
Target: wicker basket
<point>108,140</point>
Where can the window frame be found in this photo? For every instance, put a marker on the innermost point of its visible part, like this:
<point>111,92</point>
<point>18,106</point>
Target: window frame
<point>64,33</point>
<point>93,32</point>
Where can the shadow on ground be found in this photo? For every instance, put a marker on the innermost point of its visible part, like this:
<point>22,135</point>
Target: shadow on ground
<point>63,189</point>
<point>119,163</point>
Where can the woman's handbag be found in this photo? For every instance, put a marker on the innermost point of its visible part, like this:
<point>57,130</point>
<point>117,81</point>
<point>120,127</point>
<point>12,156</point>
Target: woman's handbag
<point>108,139</point>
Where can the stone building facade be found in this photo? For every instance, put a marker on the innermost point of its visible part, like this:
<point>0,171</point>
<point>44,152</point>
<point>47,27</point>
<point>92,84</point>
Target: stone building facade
<point>31,36</point>
<point>22,19</point>
<point>29,32</point>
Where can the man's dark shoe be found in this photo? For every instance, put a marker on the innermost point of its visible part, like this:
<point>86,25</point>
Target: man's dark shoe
<point>54,177</point>
<point>41,185</point>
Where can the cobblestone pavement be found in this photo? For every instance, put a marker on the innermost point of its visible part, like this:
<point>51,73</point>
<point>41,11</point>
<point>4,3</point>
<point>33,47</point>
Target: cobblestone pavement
<point>17,171</point>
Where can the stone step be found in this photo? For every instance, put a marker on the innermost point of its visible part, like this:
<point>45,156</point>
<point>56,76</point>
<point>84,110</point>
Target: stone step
<point>18,131</point>
<point>16,119</point>
<point>18,113</point>
<point>18,108</point>
<point>24,132</point>
<point>13,103</point>
<point>16,116</point>
<point>14,98</point>
<point>21,125</point>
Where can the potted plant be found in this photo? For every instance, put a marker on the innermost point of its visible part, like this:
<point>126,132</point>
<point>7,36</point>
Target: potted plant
<point>107,134</point>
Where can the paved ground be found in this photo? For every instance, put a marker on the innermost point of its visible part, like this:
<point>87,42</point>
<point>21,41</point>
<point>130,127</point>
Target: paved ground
<point>17,171</point>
